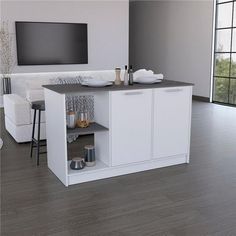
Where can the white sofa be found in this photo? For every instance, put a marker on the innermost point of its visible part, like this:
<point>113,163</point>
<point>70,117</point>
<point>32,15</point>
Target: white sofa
<point>27,88</point>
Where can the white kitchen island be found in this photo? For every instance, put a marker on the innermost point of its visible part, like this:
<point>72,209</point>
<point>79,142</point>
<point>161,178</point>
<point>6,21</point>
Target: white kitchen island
<point>138,128</point>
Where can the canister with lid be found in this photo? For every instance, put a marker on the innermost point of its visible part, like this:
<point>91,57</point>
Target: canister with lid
<point>89,155</point>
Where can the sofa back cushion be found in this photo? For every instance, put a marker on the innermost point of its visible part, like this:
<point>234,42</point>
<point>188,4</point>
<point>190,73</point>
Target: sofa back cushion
<point>34,84</point>
<point>34,95</point>
<point>32,81</point>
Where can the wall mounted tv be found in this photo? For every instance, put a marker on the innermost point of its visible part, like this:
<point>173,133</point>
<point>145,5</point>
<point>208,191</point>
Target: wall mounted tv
<point>46,43</point>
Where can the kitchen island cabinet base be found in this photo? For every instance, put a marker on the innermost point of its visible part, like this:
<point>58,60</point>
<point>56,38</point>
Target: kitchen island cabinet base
<point>128,133</point>
<point>102,171</point>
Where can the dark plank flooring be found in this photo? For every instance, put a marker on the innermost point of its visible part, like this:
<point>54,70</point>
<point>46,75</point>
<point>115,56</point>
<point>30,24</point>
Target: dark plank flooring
<point>194,199</point>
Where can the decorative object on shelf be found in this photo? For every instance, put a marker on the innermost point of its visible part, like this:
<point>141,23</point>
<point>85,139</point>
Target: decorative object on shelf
<point>7,61</point>
<point>76,103</point>
<point>79,104</point>
<point>118,79</point>
<point>71,119</point>
<point>83,115</point>
<point>77,163</point>
<point>83,120</point>
<point>131,79</point>
<point>126,76</point>
<point>90,155</point>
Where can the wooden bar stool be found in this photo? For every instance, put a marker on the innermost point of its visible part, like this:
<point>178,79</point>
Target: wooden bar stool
<point>37,106</point>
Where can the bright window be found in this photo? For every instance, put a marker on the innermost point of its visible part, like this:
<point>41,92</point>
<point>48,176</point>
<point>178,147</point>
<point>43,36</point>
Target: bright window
<point>224,82</point>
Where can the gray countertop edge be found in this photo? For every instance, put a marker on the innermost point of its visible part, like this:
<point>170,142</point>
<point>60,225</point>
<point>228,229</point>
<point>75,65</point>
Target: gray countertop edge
<point>76,88</point>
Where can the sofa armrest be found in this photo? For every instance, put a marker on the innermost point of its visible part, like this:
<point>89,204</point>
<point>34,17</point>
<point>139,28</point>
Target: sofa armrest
<point>17,109</point>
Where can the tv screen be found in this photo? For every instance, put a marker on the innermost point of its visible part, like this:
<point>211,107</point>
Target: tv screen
<point>44,43</point>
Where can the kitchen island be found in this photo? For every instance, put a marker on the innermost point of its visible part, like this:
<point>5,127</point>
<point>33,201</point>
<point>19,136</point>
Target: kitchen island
<point>137,128</point>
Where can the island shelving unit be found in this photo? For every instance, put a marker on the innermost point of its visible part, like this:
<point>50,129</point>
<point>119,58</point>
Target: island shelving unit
<point>136,128</point>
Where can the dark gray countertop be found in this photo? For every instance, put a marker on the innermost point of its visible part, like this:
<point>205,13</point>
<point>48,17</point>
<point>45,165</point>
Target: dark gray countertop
<point>77,88</point>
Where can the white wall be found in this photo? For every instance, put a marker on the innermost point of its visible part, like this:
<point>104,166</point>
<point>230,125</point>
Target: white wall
<point>108,27</point>
<point>174,38</point>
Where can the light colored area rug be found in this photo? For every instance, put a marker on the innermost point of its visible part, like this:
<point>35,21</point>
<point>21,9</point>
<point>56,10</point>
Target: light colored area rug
<point>1,143</point>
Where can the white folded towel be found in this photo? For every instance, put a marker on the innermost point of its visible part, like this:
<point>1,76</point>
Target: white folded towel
<point>142,73</point>
<point>146,74</point>
<point>157,76</point>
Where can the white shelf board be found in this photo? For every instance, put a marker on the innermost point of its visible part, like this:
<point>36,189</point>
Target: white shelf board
<point>99,166</point>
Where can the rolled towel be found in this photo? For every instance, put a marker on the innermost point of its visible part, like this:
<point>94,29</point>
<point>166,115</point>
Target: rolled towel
<point>159,76</point>
<point>142,73</point>
<point>149,78</point>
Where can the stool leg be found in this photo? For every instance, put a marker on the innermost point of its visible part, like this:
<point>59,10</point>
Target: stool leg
<point>38,141</point>
<point>32,142</point>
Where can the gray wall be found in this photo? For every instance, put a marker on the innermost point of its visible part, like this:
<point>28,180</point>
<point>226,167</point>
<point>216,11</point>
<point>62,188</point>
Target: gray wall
<point>173,38</point>
<point>108,29</point>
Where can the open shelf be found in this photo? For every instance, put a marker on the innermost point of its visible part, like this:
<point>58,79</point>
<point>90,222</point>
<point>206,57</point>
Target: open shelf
<point>92,128</point>
<point>99,166</point>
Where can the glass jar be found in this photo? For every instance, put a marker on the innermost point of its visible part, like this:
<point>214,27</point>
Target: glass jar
<point>83,119</point>
<point>71,119</point>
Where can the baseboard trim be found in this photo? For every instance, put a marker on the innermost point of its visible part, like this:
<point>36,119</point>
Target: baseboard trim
<point>200,98</point>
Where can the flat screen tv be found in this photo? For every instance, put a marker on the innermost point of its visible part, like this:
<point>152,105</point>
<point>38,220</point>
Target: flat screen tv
<point>46,43</point>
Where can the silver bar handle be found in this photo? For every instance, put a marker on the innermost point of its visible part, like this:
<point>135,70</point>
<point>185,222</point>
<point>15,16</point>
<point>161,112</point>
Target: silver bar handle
<point>173,90</point>
<point>133,93</point>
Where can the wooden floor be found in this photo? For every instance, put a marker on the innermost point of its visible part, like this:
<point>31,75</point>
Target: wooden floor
<point>194,199</point>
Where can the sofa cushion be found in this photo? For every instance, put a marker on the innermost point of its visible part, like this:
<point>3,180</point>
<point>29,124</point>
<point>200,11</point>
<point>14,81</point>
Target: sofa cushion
<point>22,133</point>
<point>32,84</point>
<point>34,95</point>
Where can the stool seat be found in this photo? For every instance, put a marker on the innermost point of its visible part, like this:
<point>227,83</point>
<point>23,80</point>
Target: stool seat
<point>38,105</point>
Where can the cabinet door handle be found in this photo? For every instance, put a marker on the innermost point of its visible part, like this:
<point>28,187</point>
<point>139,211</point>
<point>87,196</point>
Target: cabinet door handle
<point>133,93</point>
<point>173,90</point>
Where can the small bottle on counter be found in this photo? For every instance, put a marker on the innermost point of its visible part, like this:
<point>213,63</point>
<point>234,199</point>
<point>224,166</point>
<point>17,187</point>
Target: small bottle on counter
<point>117,80</point>
<point>126,76</point>
<point>131,76</point>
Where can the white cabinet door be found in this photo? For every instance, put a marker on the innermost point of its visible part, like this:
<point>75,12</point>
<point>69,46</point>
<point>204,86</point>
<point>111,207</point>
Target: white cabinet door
<point>172,120</point>
<point>130,126</point>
